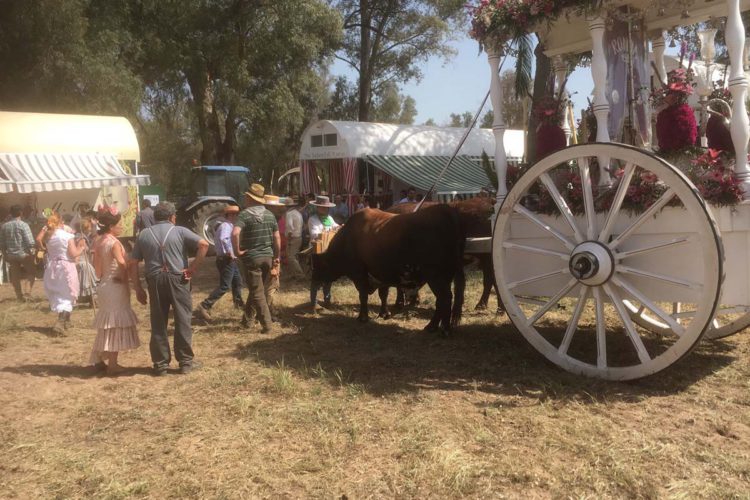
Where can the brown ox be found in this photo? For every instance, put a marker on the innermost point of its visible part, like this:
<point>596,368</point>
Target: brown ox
<point>475,218</point>
<point>377,250</point>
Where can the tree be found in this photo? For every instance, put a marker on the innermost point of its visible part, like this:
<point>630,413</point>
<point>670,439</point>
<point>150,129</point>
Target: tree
<point>56,57</point>
<point>342,103</point>
<point>389,106</point>
<point>464,120</point>
<point>430,123</point>
<point>408,111</point>
<point>385,40</point>
<point>214,48</point>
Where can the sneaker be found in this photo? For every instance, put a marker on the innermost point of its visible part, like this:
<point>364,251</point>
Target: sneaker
<point>238,304</point>
<point>160,371</point>
<point>327,304</point>
<point>203,312</point>
<point>101,366</point>
<point>194,365</point>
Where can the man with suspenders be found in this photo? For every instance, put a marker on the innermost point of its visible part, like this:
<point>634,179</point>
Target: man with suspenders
<point>163,247</point>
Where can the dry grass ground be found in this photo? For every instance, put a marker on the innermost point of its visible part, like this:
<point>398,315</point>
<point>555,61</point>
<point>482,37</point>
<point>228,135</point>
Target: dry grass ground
<point>329,407</point>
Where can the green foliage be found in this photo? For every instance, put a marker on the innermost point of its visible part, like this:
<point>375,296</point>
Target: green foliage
<point>385,41</point>
<point>463,120</point>
<point>489,169</point>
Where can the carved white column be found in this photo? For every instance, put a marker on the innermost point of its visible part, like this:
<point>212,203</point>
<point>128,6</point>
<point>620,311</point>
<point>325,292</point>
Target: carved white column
<point>498,125</point>
<point>740,127</point>
<point>561,71</point>
<point>658,46</point>
<point>600,105</point>
<point>705,80</point>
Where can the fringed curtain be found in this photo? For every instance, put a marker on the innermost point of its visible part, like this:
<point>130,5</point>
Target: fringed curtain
<point>308,177</point>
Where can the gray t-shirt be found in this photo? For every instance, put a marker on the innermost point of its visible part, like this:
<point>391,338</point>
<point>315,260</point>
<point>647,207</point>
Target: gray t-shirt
<point>148,249</point>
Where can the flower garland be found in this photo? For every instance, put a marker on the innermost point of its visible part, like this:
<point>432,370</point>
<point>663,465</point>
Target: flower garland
<point>504,20</point>
<point>711,172</point>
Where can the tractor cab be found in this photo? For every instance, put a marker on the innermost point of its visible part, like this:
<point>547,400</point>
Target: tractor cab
<point>213,188</point>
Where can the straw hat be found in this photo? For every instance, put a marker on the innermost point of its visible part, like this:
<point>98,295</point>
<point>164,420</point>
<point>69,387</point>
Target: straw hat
<point>231,209</point>
<point>271,200</point>
<point>256,192</point>
<point>322,201</point>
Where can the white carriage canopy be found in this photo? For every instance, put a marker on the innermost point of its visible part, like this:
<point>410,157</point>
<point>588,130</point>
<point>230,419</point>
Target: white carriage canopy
<point>380,158</point>
<point>50,152</point>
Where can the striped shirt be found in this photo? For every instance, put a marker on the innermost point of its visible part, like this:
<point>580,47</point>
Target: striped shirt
<point>16,238</point>
<point>256,236</point>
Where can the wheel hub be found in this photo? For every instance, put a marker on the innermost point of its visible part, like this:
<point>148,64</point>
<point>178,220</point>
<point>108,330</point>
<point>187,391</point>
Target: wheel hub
<point>591,263</point>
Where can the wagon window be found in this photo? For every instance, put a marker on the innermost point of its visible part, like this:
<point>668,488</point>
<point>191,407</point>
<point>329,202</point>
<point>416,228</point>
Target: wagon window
<point>330,139</point>
<point>316,141</point>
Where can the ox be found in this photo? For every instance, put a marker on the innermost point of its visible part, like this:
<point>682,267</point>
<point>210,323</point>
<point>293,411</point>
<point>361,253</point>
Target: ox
<point>376,250</point>
<point>475,215</point>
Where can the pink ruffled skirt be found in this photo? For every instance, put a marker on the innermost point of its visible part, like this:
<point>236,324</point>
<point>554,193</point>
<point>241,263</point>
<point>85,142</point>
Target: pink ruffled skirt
<point>115,321</point>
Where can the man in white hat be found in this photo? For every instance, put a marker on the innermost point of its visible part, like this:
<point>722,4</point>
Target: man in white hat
<point>318,223</point>
<point>257,243</point>
<point>226,263</point>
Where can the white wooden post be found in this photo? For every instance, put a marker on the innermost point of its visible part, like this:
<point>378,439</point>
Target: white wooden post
<point>600,106</point>
<point>498,125</point>
<point>705,81</point>
<point>561,71</point>
<point>658,45</point>
<point>740,127</point>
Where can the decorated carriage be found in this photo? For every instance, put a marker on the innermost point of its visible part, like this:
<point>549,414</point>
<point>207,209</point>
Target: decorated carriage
<point>614,260</point>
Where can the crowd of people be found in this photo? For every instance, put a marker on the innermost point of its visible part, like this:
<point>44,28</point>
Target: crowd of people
<point>85,261</point>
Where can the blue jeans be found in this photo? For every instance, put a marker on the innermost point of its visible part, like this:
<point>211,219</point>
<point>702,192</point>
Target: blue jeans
<point>229,277</point>
<point>314,287</point>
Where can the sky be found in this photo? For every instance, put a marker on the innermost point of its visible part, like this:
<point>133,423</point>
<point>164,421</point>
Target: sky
<point>460,84</point>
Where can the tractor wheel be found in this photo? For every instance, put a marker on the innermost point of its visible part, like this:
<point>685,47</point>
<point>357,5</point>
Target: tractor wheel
<point>206,220</point>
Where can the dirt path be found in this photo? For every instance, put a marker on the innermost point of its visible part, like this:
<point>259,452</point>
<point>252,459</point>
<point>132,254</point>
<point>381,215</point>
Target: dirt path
<point>328,407</point>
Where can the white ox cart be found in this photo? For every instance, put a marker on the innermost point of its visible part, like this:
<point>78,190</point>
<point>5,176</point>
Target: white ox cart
<point>599,289</point>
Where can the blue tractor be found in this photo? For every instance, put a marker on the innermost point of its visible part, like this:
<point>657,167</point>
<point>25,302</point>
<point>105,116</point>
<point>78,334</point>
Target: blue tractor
<point>213,188</point>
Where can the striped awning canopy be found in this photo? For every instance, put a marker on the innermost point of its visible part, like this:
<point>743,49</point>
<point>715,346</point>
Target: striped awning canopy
<point>464,176</point>
<point>35,172</point>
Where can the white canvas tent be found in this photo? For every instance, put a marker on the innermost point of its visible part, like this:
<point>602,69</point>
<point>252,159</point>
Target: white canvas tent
<point>404,154</point>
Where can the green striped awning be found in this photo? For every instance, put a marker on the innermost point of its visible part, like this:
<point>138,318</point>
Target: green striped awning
<point>463,176</point>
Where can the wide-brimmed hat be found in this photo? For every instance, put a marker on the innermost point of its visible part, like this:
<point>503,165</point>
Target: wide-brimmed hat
<point>322,201</point>
<point>231,209</point>
<point>271,200</point>
<point>256,192</point>
<point>291,201</point>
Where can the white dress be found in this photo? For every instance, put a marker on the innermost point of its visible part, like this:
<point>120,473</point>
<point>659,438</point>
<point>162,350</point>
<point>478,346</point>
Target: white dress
<point>60,276</point>
<point>115,320</point>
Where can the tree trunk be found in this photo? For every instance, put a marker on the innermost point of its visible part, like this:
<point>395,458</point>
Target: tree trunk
<point>541,79</point>
<point>203,102</point>
<point>365,71</point>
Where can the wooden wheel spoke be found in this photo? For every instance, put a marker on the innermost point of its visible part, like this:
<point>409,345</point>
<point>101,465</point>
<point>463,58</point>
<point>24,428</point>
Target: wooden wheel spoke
<point>588,198</point>
<point>551,302</point>
<point>601,330</point>
<point>652,248</point>
<point>538,277</point>
<point>658,205</point>
<point>660,277</point>
<point>640,348</point>
<point>562,205</point>
<point>647,303</point>
<point>542,251</point>
<point>573,323</point>
<point>539,222</point>
<point>622,190</point>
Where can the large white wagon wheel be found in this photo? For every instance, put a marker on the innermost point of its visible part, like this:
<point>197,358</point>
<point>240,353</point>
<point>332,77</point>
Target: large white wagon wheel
<point>588,263</point>
<point>727,320</point>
